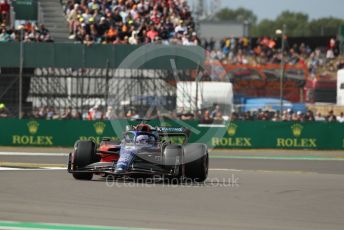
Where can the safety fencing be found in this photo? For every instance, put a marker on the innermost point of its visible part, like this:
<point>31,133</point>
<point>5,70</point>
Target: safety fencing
<point>233,135</point>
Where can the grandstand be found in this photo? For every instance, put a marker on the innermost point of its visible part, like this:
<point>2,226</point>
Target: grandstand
<point>50,13</point>
<point>92,23</point>
<point>130,22</point>
<point>251,64</point>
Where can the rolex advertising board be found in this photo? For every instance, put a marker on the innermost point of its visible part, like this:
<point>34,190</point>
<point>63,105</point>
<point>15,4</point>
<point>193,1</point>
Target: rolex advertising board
<point>52,133</point>
<point>234,137</point>
<point>231,135</point>
<point>280,135</point>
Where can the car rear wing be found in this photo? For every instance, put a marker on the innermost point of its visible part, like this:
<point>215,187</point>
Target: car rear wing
<point>173,132</point>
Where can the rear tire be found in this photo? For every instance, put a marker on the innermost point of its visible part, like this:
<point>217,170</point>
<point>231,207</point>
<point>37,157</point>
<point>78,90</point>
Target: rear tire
<point>84,155</point>
<point>196,160</point>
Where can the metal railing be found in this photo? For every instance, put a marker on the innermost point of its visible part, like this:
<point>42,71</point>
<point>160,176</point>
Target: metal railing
<point>12,17</point>
<point>39,13</point>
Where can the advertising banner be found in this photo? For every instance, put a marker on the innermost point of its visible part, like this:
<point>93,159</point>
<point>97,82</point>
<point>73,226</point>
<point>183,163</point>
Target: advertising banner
<point>232,135</point>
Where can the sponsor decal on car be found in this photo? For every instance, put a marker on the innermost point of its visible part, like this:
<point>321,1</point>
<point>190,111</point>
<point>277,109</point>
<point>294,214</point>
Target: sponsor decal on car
<point>170,130</point>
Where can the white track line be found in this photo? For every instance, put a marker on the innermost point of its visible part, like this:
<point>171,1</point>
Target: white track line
<point>53,168</point>
<point>8,169</point>
<point>30,169</point>
<point>33,154</point>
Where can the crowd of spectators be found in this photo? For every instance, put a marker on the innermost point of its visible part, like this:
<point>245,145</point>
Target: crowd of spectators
<point>169,22</point>
<point>31,32</point>
<point>214,116</point>
<point>265,115</point>
<point>130,22</point>
<point>97,112</point>
<point>266,50</point>
<point>51,113</point>
<point>27,31</point>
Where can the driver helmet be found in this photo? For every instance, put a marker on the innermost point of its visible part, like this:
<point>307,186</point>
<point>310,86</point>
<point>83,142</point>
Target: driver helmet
<point>144,128</point>
<point>142,139</point>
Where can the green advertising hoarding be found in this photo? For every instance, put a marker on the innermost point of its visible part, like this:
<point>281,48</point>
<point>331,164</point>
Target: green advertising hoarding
<point>281,135</point>
<point>233,135</point>
<point>51,133</point>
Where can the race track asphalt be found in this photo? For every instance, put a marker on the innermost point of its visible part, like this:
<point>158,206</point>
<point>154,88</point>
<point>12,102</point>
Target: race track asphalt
<point>239,194</point>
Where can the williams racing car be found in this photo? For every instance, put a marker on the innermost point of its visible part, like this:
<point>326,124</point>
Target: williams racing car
<point>144,151</point>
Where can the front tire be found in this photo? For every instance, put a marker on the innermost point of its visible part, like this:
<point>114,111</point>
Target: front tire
<point>84,155</point>
<point>83,176</point>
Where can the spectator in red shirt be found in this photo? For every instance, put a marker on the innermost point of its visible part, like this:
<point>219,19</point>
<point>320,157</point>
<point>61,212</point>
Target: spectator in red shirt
<point>152,33</point>
<point>4,10</point>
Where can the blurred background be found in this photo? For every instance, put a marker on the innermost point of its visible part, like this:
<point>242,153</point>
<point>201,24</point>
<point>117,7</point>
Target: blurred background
<point>58,60</point>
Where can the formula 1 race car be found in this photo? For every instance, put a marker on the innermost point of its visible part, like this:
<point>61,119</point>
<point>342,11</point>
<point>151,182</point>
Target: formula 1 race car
<point>144,151</point>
